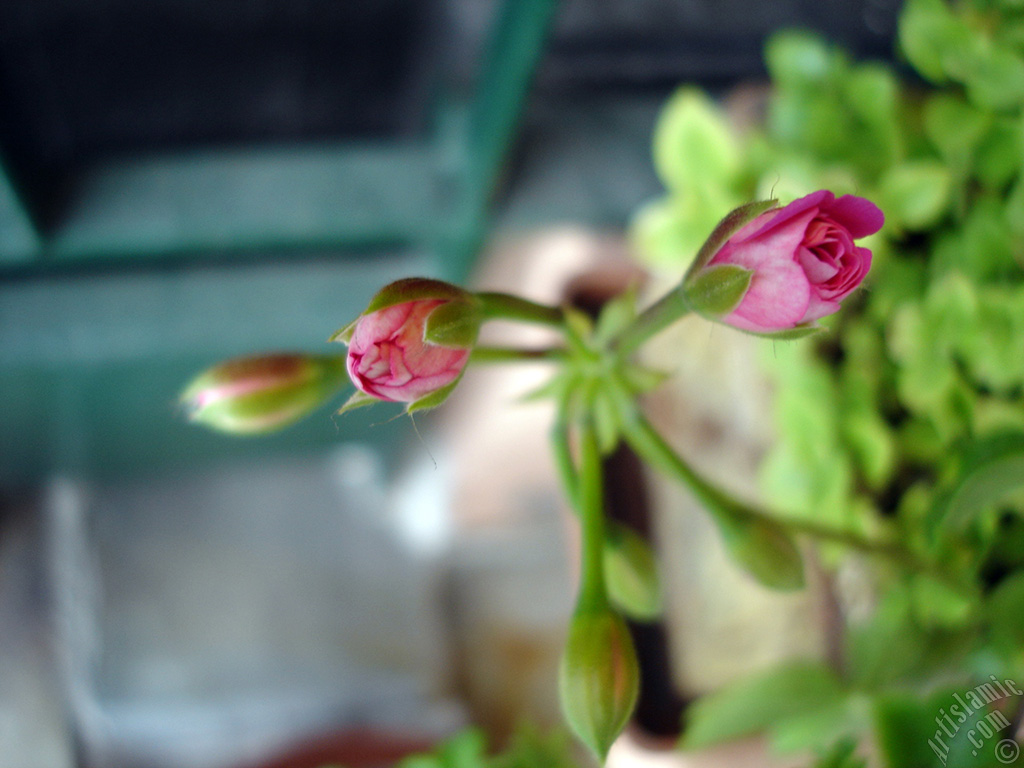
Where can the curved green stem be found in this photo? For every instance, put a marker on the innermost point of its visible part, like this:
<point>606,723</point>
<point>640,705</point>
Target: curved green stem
<point>510,355</point>
<point>504,306</point>
<point>653,448</point>
<point>669,308</point>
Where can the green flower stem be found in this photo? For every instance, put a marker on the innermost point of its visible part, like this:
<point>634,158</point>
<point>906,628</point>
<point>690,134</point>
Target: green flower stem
<point>669,308</point>
<point>592,595</point>
<point>509,355</point>
<point>564,464</point>
<point>504,306</point>
<point>651,446</point>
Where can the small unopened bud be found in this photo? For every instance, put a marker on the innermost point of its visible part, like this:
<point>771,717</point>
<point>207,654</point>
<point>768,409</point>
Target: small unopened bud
<point>412,343</point>
<point>631,574</point>
<point>599,679</point>
<point>250,395</point>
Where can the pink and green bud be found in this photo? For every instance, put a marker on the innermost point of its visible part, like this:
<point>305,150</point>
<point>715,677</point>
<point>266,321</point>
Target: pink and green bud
<point>776,271</point>
<point>412,343</point>
<point>251,395</point>
<point>599,678</point>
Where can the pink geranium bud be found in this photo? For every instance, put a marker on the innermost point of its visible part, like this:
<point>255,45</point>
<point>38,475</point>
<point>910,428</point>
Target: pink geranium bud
<point>785,268</point>
<point>412,344</point>
<point>249,395</point>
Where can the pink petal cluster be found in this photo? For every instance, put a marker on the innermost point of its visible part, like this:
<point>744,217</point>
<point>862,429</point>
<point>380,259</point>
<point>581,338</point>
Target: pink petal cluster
<point>803,258</point>
<point>389,359</point>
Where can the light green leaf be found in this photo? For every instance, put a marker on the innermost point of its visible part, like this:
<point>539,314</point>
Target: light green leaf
<point>759,703</point>
<point>915,194</point>
<point>693,144</point>
<point>1004,612</point>
<point>927,32</point>
<point>799,60</point>
<point>955,127</point>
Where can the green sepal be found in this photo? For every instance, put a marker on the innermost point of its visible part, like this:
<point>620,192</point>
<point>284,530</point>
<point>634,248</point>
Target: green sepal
<point>631,574</point>
<point>727,227</point>
<point>717,290</point>
<point>416,289</point>
<point>357,400</point>
<point>615,316</point>
<point>434,399</point>
<point>788,334</point>
<point>640,380</point>
<point>344,334</point>
<point>455,324</point>
<point>556,388</point>
<point>761,547</point>
<point>578,328</point>
<point>401,291</point>
<point>606,422</point>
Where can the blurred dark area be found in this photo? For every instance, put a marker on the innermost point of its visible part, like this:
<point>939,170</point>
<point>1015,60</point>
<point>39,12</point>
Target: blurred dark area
<point>84,81</point>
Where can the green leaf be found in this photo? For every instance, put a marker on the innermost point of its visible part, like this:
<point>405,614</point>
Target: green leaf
<point>1004,614</point>
<point>991,469</point>
<point>915,194</point>
<point>759,703</point>
<point>993,75</point>
<point>927,32</point>
<point>843,754</point>
<point>799,60</point>
<point>717,290</point>
<point>955,127</point>
<point>693,144</point>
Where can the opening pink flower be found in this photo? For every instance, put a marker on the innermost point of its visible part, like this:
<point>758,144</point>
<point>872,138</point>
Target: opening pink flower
<point>390,359</point>
<point>802,261</point>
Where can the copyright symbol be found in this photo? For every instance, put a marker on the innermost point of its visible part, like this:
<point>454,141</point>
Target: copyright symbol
<point>1007,751</point>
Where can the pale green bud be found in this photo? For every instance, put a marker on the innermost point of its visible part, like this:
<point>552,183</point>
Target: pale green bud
<point>599,678</point>
<point>252,395</point>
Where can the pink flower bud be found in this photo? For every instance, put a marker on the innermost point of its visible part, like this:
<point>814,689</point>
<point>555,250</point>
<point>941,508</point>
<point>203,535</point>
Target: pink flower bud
<point>249,395</point>
<point>412,343</point>
<point>389,359</point>
<point>797,263</point>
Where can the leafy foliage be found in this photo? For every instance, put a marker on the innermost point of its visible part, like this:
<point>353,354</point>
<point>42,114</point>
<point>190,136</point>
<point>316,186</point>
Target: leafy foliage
<point>907,420</point>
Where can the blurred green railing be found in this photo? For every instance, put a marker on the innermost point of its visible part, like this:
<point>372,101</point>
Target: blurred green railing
<point>105,312</point>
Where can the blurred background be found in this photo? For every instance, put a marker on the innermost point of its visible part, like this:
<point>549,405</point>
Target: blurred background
<point>182,182</point>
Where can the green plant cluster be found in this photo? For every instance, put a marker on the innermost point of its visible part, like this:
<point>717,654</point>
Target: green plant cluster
<point>528,747</point>
<point>905,423</point>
